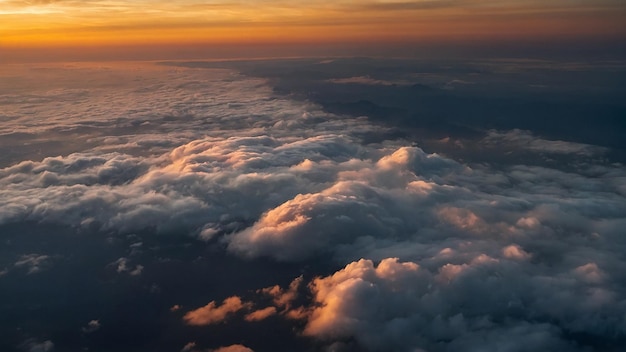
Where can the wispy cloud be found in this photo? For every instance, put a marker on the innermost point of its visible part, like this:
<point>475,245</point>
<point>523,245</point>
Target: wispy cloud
<point>213,313</point>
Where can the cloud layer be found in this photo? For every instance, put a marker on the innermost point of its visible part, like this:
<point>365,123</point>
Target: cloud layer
<point>427,253</point>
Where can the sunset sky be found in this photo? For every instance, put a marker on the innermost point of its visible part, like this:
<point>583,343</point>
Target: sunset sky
<point>104,23</point>
<point>321,175</point>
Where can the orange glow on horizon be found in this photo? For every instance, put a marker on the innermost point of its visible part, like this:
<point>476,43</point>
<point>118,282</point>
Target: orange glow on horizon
<point>101,23</point>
